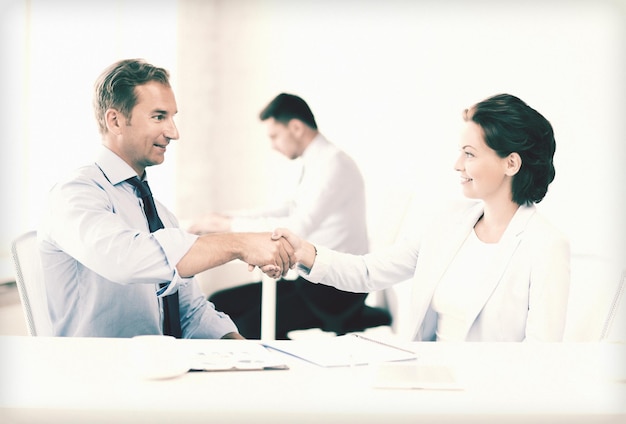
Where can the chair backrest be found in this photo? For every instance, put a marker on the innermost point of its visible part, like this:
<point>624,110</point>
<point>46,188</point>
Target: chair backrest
<point>30,285</point>
<point>614,329</point>
<point>386,218</point>
<point>595,291</point>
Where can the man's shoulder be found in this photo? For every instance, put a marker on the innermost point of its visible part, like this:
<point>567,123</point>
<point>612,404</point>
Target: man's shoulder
<point>88,171</point>
<point>338,164</point>
<point>86,174</point>
<point>331,154</point>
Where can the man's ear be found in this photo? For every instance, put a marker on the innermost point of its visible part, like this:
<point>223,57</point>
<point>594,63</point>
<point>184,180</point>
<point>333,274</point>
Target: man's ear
<point>513,164</point>
<point>114,121</point>
<point>296,127</point>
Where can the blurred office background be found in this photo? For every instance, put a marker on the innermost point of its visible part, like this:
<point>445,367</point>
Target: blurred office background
<point>387,81</point>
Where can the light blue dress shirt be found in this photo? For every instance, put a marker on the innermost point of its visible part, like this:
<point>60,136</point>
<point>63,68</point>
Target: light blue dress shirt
<point>102,266</point>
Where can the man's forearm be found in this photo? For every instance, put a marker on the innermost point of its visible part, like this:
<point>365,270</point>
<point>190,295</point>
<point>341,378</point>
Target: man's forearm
<point>210,251</point>
<point>256,249</point>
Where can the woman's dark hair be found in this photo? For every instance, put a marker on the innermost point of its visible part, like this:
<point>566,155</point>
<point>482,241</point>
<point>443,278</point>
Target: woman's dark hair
<point>115,88</point>
<point>286,107</point>
<point>510,125</point>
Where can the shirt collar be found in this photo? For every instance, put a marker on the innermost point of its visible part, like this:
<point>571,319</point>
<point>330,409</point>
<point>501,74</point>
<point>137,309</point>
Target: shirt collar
<point>113,166</point>
<point>314,147</point>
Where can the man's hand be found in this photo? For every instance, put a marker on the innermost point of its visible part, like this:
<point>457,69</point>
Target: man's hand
<point>233,336</point>
<point>274,256</point>
<point>256,249</point>
<point>304,252</point>
<point>293,240</point>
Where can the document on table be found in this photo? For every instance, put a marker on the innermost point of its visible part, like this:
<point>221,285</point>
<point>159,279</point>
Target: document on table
<point>235,355</point>
<point>341,351</point>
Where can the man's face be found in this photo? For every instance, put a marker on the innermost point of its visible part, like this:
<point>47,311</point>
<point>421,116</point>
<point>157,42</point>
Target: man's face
<point>144,138</point>
<point>283,138</point>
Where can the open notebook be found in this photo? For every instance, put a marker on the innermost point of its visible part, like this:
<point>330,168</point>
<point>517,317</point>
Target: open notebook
<point>347,350</point>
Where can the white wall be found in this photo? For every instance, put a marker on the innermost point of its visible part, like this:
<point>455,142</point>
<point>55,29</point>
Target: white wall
<point>387,82</point>
<point>51,52</point>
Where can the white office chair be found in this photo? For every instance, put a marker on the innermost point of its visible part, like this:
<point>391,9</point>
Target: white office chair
<point>30,285</point>
<point>614,329</point>
<point>595,300</point>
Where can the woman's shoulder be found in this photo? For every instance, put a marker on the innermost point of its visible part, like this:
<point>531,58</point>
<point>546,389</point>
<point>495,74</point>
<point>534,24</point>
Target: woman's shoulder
<point>542,228</point>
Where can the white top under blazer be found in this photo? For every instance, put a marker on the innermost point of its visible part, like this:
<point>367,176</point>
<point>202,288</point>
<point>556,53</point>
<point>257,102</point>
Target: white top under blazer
<point>524,289</point>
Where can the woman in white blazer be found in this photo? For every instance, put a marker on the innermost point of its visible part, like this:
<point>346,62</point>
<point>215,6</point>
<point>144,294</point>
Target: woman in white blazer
<point>492,269</point>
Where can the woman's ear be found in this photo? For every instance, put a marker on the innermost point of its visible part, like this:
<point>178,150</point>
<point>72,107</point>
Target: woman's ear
<point>513,164</point>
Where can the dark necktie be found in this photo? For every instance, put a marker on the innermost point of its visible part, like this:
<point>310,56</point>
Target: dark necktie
<point>171,319</point>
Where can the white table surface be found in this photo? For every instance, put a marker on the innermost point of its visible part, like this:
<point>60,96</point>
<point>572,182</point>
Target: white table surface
<point>90,380</point>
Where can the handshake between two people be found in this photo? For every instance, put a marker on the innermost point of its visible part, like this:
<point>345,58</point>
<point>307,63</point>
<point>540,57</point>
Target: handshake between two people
<point>274,253</point>
<point>290,250</point>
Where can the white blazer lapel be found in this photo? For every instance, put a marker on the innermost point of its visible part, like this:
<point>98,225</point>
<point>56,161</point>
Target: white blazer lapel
<point>509,242</point>
<point>435,258</point>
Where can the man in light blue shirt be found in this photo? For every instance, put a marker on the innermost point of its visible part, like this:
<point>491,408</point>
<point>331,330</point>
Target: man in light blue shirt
<point>105,272</point>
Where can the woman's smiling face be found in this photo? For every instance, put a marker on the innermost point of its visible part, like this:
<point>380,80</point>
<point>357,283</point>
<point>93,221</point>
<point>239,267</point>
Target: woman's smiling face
<point>483,173</point>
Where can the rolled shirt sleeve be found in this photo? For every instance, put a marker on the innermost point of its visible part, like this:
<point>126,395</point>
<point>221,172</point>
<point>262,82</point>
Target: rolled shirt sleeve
<point>175,244</point>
